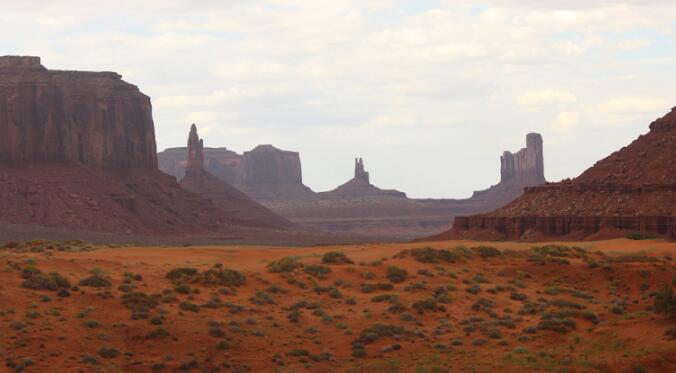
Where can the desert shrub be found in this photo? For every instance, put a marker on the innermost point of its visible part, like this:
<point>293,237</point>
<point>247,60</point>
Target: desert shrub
<point>284,265</point>
<point>98,279</point>
<point>219,276</point>
<point>487,251</point>
<point>182,289</point>
<point>391,298</point>
<point>428,304</point>
<point>562,303</point>
<point>181,274</point>
<point>35,279</point>
<point>369,288</point>
<point>261,297</point>
<point>336,257</point>
<point>188,306</point>
<point>318,271</point>
<point>517,296</point>
<point>555,323</point>
<point>430,255</point>
<point>139,303</point>
<point>372,334</point>
<point>396,274</point>
<point>633,235</point>
<point>474,289</point>
<point>559,251</point>
<point>665,301</point>
<point>108,352</point>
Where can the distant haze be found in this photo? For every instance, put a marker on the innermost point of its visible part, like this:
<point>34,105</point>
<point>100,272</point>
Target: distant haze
<point>428,93</point>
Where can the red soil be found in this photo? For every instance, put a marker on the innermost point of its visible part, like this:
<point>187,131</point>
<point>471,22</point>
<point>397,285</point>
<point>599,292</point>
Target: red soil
<point>259,337</point>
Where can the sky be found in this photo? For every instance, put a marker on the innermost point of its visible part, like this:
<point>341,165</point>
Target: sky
<point>428,92</point>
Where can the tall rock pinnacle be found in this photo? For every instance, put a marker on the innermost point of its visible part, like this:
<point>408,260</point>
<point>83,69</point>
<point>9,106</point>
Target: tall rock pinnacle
<point>359,173</point>
<point>526,165</point>
<point>195,152</point>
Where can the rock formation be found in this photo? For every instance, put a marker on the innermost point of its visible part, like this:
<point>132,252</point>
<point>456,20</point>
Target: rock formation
<point>360,187</point>
<point>266,174</point>
<point>519,170</point>
<point>357,206</point>
<point>94,119</point>
<point>77,152</point>
<point>633,189</point>
<point>229,199</point>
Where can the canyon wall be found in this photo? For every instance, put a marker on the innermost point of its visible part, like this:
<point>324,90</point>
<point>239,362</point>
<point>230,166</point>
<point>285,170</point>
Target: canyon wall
<point>89,118</point>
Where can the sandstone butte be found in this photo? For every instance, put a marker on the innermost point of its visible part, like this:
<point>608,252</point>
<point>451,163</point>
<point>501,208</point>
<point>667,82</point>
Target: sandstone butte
<point>357,206</point>
<point>77,152</point>
<point>631,190</point>
<point>223,195</point>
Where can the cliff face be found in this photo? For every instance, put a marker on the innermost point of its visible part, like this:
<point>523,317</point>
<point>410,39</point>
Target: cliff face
<point>77,151</point>
<point>235,203</point>
<point>88,118</point>
<point>526,165</point>
<point>633,189</point>
<point>519,170</point>
<point>266,174</point>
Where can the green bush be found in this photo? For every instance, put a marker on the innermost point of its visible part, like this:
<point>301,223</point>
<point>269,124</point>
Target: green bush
<point>318,271</point>
<point>284,265</point>
<point>396,274</point>
<point>34,279</point>
<point>431,255</point>
<point>182,274</point>
<point>336,257</point>
<point>665,301</point>
<point>108,352</point>
<point>487,251</point>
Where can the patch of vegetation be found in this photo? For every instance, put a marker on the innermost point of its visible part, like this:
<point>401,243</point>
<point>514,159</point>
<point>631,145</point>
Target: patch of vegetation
<point>139,303</point>
<point>372,334</point>
<point>285,265</point>
<point>633,235</point>
<point>182,274</point>
<point>336,257</point>
<point>369,288</point>
<point>318,271</point>
<point>35,279</point>
<point>396,274</point>
<point>97,279</point>
<point>487,251</point>
<point>430,255</point>
<point>109,352</point>
<point>665,301</point>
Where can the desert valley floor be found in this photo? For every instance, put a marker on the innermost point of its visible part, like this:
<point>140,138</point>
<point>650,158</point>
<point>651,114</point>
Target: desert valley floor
<point>415,307</point>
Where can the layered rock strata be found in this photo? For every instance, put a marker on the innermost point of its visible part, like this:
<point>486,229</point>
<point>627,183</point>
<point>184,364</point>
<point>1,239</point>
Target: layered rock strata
<point>633,189</point>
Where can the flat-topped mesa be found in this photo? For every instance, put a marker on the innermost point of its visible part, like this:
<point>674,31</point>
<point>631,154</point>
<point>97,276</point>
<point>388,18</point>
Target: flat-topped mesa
<point>267,164</point>
<point>19,62</point>
<point>72,117</point>
<point>526,165</point>
<point>359,173</point>
<point>195,152</point>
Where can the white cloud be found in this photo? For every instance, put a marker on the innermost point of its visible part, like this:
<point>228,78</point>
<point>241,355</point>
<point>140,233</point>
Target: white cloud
<point>398,82</point>
<point>546,98</point>
<point>566,121</point>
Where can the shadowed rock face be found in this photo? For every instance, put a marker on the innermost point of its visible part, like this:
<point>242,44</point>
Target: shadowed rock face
<point>88,118</point>
<point>633,189</point>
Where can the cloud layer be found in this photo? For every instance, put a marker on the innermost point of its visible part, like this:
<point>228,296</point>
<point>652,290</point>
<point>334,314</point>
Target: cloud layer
<point>429,93</point>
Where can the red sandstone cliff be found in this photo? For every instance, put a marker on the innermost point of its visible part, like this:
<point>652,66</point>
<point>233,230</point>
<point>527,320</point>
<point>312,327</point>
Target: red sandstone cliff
<point>89,118</point>
<point>77,151</point>
<point>229,199</point>
<point>633,189</point>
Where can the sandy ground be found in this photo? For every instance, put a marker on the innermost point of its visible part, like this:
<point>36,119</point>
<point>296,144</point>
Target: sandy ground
<point>607,288</point>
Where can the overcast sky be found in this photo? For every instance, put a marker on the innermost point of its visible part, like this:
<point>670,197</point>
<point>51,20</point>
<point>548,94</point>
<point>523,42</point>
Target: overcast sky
<point>428,92</point>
